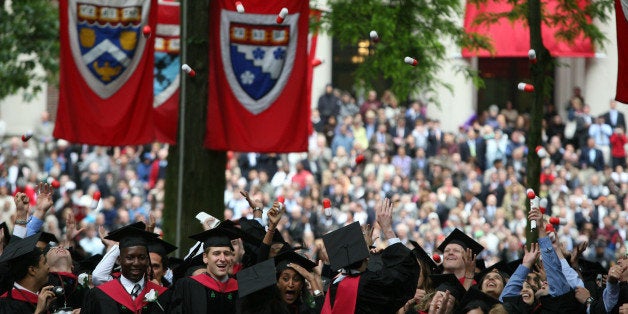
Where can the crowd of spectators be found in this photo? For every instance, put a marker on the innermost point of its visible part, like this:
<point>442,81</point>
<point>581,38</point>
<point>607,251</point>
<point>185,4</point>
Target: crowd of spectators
<point>472,179</point>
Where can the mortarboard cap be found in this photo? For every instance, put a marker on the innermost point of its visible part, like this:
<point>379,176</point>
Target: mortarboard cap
<point>345,246</point>
<point>442,282</point>
<point>129,236</point>
<point>5,230</point>
<point>89,264</point>
<point>480,264</point>
<point>420,253</point>
<point>284,258</point>
<point>460,238</point>
<point>499,267</point>
<point>590,270</point>
<point>137,225</point>
<point>511,267</point>
<point>220,236</point>
<point>160,247</point>
<point>474,298</point>
<point>256,277</point>
<point>253,232</point>
<point>19,247</point>
<point>48,237</point>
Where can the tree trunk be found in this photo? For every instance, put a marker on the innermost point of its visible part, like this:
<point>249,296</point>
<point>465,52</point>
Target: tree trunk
<point>202,172</point>
<point>539,72</point>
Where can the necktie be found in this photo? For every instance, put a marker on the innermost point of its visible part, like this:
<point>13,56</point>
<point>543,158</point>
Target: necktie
<point>136,290</point>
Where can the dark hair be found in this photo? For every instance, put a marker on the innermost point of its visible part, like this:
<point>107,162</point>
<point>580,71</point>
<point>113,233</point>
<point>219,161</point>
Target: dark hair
<point>19,270</point>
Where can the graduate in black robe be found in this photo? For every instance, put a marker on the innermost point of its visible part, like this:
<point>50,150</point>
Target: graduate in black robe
<point>358,290</point>
<point>60,275</point>
<point>27,265</point>
<point>132,292</point>
<point>212,291</point>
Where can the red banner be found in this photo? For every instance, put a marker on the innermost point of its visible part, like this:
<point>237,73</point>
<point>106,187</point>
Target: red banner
<point>258,76</point>
<point>512,39</point>
<point>105,88</point>
<point>167,71</point>
<point>621,15</point>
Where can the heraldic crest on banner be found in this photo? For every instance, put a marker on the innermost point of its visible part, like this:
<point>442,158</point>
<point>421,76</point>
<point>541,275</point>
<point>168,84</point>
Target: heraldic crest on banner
<point>106,41</point>
<point>258,55</point>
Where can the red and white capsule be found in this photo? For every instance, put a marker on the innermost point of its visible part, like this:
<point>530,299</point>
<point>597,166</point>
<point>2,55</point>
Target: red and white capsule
<point>532,55</point>
<point>239,7</point>
<point>411,61</point>
<point>524,87</point>
<point>374,36</point>
<point>188,70</point>
<point>282,15</point>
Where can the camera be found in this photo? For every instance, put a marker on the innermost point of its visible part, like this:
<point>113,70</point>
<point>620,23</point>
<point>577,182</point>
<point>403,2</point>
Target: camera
<point>58,291</point>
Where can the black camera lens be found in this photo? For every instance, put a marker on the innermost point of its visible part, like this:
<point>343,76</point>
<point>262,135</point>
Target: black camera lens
<point>59,291</point>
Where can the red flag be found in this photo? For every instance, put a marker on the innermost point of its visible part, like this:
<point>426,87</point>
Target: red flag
<point>167,71</point>
<point>105,88</point>
<point>258,77</point>
<point>512,39</point>
<point>621,16</point>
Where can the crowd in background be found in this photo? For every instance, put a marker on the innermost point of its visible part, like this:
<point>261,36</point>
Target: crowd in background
<point>472,179</point>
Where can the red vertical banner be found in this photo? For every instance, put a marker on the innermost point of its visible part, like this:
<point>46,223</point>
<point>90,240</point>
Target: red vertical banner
<point>106,76</point>
<point>621,15</point>
<point>167,71</point>
<point>258,70</point>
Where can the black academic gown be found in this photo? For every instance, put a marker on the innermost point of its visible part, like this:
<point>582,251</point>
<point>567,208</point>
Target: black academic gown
<point>74,293</point>
<point>111,298</point>
<point>18,302</point>
<point>388,289</point>
<point>203,294</point>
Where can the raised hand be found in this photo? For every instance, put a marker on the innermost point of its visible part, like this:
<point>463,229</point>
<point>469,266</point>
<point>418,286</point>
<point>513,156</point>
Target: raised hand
<point>152,220</point>
<point>530,256</point>
<point>367,231</point>
<point>44,199</point>
<point>252,203</point>
<point>578,252</point>
<point>312,277</point>
<point>275,213</point>
<point>615,273</point>
<point>70,229</point>
<point>469,263</point>
<point>102,233</point>
<point>22,203</point>
<point>442,303</point>
<point>383,211</point>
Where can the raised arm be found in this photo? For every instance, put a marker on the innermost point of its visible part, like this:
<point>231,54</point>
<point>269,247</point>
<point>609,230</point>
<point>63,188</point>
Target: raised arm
<point>557,282</point>
<point>515,283</point>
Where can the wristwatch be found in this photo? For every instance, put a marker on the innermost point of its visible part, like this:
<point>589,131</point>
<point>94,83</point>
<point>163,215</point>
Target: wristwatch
<point>589,301</point>
<point>257,208</point>
<point>317,293</point>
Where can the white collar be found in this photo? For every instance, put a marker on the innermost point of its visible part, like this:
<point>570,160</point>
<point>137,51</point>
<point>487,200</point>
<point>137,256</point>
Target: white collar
<point>128,284</point>
<point>17,285</point>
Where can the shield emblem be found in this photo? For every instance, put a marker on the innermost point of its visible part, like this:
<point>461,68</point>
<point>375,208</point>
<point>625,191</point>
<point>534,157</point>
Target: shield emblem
<point>167,47</point>
<point>257,55</point>
<point>106,41</point>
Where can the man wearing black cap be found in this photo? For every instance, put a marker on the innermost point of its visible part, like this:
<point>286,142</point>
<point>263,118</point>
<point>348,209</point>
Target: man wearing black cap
<point>158,251</point>
<point>132,291</point>
<point>357,290</point>
<point>459,251</point>
<point>28,267</point>
<point>213,290</point>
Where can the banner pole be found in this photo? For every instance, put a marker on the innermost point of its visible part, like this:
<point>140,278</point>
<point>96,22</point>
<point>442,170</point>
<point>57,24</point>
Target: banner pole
<point>181,141</point>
